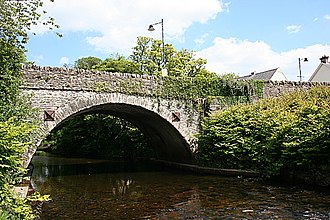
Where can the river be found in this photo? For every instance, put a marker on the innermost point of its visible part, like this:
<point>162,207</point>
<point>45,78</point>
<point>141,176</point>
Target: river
<point>98,189</point>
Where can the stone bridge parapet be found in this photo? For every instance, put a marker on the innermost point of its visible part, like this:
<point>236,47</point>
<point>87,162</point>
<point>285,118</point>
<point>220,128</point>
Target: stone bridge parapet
<point>54,78</point>
<point>277,88</point>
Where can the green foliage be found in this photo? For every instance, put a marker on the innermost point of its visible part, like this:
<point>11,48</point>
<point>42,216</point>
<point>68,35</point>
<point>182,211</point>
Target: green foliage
<point>11,58</point>
<point>147,54</point>
<point>149,62</point>
<point>189,89</point>
<point>14,140</point>
<point>16,19</point>
<point>188,79</point>
<point>288,132</point>
<point>194,88</point>
<point>117,63</point>
<point>87,63</point>
<point>99,136</point>
<point>147,59</point>
<point>12,207</point>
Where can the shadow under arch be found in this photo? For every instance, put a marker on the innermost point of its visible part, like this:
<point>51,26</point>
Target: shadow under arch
<point>166,140</point>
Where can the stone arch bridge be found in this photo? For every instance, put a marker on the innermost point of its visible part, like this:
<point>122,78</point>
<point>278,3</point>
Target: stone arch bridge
<point>59,94</point>
<point>170,125</point>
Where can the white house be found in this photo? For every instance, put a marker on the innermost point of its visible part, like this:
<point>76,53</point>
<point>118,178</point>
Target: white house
<point>322,72</point>
<point>269,75</point>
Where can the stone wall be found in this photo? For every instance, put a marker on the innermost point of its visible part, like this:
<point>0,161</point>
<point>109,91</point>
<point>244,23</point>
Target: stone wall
<point>53,78</point>
<point>275,88</point>
<point>61,93</point>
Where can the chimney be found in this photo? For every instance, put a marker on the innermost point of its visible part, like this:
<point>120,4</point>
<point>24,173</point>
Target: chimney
<point>324,59</point>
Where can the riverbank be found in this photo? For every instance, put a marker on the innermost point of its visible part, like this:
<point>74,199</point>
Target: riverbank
<point>301,178</point>
<point>209,170</point>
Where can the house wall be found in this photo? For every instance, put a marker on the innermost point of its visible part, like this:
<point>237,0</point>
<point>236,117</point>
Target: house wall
<point>279,76</point>
<point>322,75</point>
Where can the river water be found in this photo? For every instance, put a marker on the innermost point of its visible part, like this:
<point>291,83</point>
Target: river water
<point>97,189</point>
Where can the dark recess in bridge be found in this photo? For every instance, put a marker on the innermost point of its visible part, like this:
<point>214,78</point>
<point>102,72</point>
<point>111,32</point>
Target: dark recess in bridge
<point>163,136</point>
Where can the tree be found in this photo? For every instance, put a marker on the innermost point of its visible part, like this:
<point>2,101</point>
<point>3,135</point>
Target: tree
<point>11,58</point>
<point>87,63</point>
<point>115,63</point>
<point>16,20</point>
<point>146,58</point>
<point>118,63</point>
<point>147,54</point>
<point>99,136</point>
<point>17,17</point>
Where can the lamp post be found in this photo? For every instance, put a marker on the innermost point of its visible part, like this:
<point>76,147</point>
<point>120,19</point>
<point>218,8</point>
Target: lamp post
<point>305,60</point>
<point>151,28</point>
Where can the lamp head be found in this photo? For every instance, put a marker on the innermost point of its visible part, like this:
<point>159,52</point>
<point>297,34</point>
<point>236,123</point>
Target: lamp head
<point>305,59</point>
<point>151,28</point>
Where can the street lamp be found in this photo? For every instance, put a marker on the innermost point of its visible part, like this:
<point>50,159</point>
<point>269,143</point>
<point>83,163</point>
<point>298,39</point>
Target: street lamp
<point>305,60</point>
<point>151,28</point>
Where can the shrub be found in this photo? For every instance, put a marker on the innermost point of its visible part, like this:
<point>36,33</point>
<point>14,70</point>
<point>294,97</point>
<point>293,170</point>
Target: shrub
<point>14,140</point>
<point>287,132</point>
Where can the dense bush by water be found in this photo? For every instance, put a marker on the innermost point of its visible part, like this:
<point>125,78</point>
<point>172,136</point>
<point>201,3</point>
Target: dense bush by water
<point>289,133</point>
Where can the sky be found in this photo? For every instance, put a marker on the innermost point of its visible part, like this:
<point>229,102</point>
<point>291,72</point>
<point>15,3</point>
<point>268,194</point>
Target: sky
<point>234,36</point>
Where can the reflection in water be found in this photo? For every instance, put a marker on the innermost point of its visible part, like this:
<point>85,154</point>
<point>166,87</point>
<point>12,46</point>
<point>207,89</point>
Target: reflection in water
<point>121,187</point>
<point>93,189</point>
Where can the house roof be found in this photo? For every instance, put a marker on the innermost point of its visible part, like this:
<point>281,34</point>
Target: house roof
<point>266,75</point>
<point>327,65</point>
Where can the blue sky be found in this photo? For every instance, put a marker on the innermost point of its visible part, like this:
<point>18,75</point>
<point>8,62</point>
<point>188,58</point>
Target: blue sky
<point>239,36</point>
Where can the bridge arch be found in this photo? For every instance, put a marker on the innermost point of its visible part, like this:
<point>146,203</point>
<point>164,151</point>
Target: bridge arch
<point>168,125</point>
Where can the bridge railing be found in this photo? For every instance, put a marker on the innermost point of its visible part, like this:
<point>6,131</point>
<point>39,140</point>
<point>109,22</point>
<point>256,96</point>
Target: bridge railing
<point>187,88</point>
<point>192,89</point>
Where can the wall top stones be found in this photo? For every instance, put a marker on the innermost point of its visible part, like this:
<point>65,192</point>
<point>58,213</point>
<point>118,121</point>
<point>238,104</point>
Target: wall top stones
<point>74,71</point>
<point>276,88</point>
<point>296,83</point>
<point>57,78</point>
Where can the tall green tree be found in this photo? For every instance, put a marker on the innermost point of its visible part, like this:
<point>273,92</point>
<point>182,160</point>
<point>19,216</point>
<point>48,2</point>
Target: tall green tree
<point>16,19</point>
<point>147,58</point>
<point>147,54</point>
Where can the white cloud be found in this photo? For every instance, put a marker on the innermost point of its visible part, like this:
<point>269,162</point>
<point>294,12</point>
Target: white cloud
<point>226,6</point>
<point>292,29</point>
<point>243,57</point>
<point>201,40</point>
<point>64,60</point>
<point>327,16</point>
<point>37,59</point>
<point>118,23</point>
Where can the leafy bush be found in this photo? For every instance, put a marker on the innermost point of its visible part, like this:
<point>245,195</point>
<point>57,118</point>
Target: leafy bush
<point>14,140</point>
<point>288,132</point>
<point>16,131</point>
